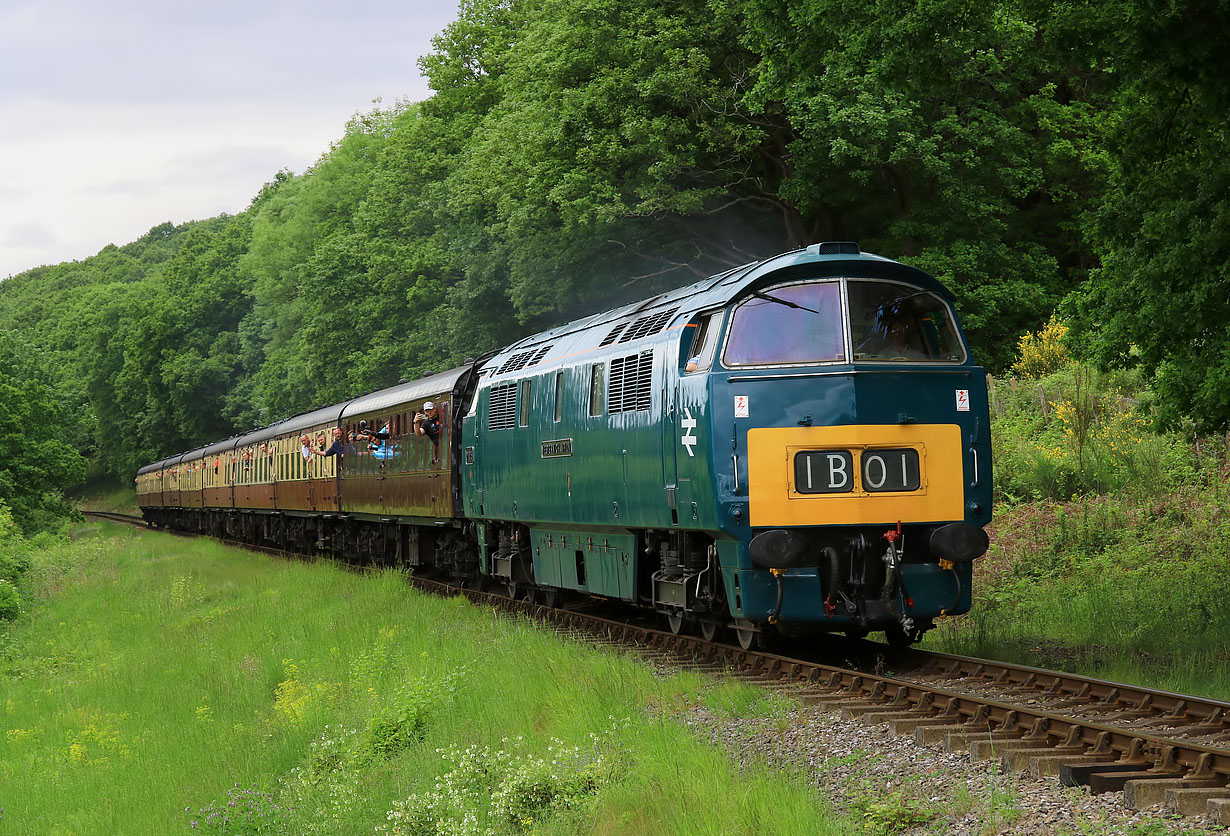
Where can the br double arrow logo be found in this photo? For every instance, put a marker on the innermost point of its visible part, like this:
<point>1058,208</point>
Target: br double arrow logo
<point>688,439</point>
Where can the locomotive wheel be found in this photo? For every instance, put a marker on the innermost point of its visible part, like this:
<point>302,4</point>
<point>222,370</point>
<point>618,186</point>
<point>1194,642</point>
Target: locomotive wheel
<point>676,623</point>
<point>747,634</point>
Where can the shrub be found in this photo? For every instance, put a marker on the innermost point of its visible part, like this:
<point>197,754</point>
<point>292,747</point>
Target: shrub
<point>488,791</point>
<point>1077,432</point>
<point>14,556</point>
<point>10,600</point>
<point>406,722</point>
<point>1042,353</point>
<point>247,812</point>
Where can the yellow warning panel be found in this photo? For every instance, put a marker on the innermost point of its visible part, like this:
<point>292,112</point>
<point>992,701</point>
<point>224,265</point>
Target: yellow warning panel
<point>857,474</point>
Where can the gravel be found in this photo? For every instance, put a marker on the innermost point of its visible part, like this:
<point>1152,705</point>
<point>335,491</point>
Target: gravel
<point>855,766</point>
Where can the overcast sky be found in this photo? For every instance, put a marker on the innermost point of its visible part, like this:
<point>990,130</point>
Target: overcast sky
<point>117,115</point>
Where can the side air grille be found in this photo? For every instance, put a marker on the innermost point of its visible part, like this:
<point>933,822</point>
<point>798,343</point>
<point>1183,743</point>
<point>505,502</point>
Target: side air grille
<point>647,325</point>
<point>502,413</point>
<point>631,383</point>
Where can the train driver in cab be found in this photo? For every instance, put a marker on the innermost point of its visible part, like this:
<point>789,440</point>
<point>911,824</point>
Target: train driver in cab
<point>895,337</point>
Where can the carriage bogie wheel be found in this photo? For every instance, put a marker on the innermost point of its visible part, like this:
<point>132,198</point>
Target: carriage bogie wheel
<point>551,598</point>
<point>675,621</point>
<point>709,629</point>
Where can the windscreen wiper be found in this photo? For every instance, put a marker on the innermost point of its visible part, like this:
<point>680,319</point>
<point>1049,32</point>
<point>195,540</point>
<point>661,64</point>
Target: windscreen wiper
<point>761,295</point>
<point>893,305</point>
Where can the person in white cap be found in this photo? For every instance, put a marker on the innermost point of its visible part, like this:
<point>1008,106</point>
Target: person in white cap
<point>428,422</point>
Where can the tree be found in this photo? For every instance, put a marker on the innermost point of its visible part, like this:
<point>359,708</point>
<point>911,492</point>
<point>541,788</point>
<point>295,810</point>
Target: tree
<point>614,156</point>
<point>1162,295</point>
<point>37,460</point>
<point>944,133</point>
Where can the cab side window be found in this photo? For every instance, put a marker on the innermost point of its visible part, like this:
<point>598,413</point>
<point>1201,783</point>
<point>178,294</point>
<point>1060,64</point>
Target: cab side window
<point>699,355</point>
<point>596,389</point>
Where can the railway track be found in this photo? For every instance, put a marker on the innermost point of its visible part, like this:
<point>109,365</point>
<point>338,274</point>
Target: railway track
<point>114,516</point>
<point>1154,746</point>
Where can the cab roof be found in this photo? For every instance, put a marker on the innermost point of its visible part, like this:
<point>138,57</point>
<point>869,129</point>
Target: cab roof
<point>671,309</point>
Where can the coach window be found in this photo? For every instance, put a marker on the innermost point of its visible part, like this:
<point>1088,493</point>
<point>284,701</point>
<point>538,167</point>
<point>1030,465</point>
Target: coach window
<point>595,389</point>
<point>559,396</point>
<point>523,419</point>
<point>787,325</point>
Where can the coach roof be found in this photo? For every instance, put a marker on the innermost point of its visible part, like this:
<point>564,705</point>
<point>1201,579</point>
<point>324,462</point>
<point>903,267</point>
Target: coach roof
<point>395,397</point>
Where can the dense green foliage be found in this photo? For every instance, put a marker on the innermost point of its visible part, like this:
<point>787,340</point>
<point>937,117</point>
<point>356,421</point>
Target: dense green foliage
<point>14,561</point>
<point>1160,298</point>
<point>37,457</point>
<point>580,153</point>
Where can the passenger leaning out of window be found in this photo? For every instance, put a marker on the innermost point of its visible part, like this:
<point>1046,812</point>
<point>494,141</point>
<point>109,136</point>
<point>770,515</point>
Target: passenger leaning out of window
<point>305,447</point>
<point>429,423</point>
<point>378,441</point>
<point>336,448</point>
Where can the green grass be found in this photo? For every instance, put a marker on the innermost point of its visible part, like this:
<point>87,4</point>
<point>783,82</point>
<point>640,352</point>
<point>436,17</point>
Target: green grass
<point>154,680</point>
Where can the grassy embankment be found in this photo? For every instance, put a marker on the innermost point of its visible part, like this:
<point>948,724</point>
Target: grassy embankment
<point>151,682</point>
<point>1111,546</point>
<point>104,492</point>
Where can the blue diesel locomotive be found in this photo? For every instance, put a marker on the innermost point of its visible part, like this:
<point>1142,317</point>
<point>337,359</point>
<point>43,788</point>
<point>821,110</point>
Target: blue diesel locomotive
<point>799,444</point>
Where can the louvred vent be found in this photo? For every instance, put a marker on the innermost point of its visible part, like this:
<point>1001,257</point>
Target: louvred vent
<point>525,358</point>
<point>610,337</point>
<point>631,384</point>
<point>502,413</point>
<point>647,325</point>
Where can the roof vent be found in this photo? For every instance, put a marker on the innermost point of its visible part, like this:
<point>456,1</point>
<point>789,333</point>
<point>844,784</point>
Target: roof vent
<point>612,334</point>
<point>647,325</point>
<point>526,358</point>
<point>834,248</point>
